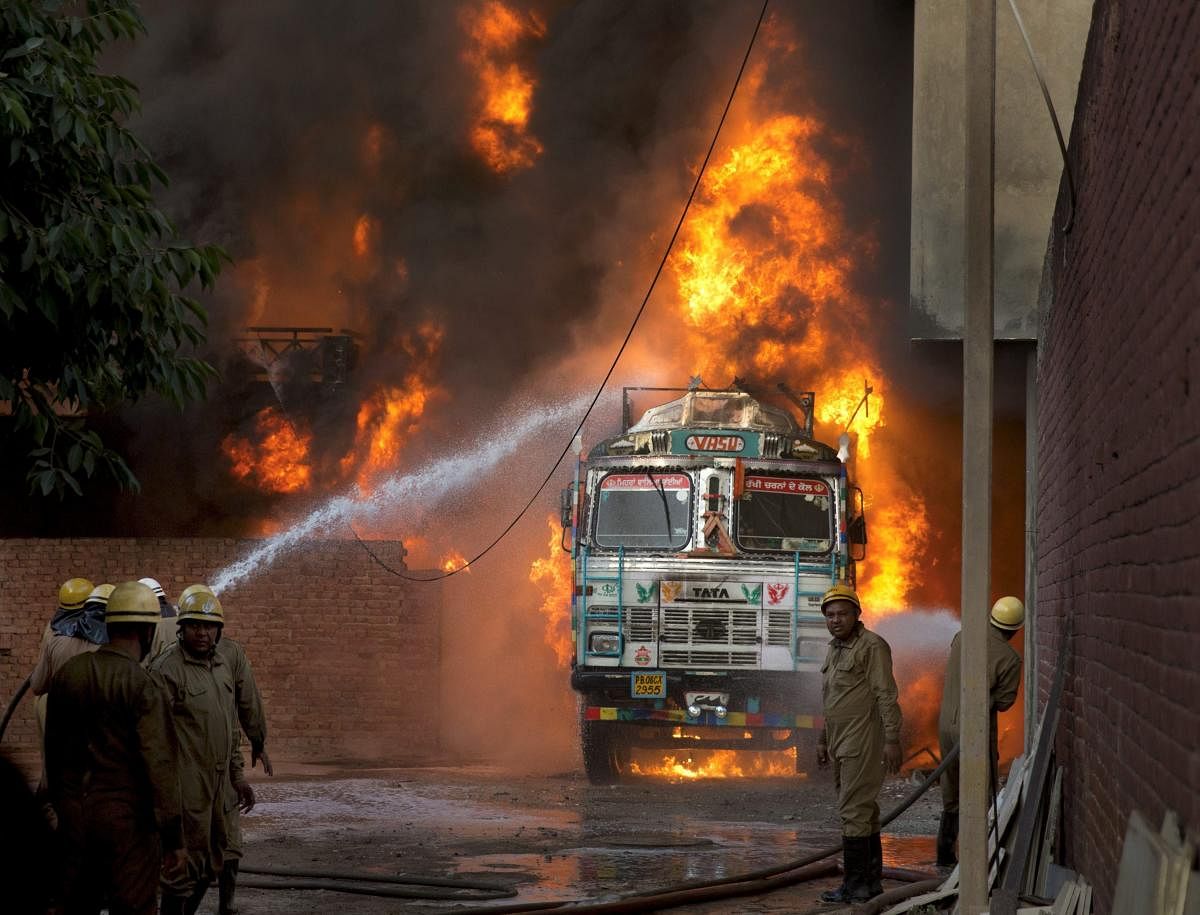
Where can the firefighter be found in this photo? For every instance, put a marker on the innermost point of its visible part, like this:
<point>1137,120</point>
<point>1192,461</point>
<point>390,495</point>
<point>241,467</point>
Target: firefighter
<point>1004,679</point>
<point>164,636</point>
<point>861,737</point>
<point>76,629</point>
<point>72,595</point>
<point>201,687</point>
<point>111,766</point>
<point>248,702</point>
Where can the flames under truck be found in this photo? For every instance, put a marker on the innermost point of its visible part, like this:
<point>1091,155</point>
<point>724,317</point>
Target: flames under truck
<point>702,539</point>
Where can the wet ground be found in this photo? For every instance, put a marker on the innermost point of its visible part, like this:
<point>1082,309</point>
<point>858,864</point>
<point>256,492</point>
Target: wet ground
<point>548,838</point>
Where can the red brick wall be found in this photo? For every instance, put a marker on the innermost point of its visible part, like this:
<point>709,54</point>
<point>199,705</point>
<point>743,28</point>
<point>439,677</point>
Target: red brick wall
<point>347,655</point>
<point>1119,438</point>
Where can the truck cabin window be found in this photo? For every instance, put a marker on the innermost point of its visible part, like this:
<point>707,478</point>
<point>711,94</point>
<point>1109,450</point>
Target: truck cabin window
<point>785,514</point>
<point>649,511</point>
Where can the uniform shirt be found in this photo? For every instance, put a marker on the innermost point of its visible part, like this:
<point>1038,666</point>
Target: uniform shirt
<point>246,695</point>
<point>56,652</point>
<point>859,691</point>
<point>1003,678</point>
<point>202,704</point>
<point>109,735</point>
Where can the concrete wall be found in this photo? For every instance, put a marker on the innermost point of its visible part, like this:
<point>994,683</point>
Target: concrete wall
<point>1119,439</point>
<point>346,654</point>
<point>1028,161</point>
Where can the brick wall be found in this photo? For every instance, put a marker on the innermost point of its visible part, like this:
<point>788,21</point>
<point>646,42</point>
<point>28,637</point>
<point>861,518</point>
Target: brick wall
<point>347,655</point>
<point>1119,438</point>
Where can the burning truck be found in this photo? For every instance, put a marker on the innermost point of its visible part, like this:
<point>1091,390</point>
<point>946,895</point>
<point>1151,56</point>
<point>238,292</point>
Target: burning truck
<point>702,539</point>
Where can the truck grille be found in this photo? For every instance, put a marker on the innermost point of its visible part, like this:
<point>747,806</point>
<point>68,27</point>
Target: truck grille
<point>640,624</point>
<point>779,628</point>
<point>710,636</point>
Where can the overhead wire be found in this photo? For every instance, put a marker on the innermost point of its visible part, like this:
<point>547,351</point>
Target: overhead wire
<point>1037,72</point>
<point>620,351</point>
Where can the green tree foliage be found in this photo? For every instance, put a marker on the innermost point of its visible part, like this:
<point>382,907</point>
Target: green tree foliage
<point>92,274</point>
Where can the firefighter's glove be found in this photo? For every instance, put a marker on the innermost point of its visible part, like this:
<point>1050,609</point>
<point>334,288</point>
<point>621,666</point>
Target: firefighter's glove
<point>261,753</point>
<point>891,757</point>
<point>245,796</point>
<point>174,864</point>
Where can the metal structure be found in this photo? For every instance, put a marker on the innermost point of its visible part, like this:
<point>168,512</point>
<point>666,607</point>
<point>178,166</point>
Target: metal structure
<point>329,356</point>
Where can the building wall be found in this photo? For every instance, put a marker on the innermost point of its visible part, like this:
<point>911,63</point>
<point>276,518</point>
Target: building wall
<point>346,654</point>
<point>1119,439</point>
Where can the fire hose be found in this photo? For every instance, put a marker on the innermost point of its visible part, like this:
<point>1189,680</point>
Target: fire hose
<point>12,706</point>
<point>752,883</point>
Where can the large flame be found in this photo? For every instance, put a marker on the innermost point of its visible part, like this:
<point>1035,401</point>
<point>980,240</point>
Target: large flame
<point>278,461</point>
<point>765,279</point>
<point>496,35</point>
<point>553,576</point>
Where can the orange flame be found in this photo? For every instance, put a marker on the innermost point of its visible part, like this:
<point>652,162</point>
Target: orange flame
<point>496,34</point>
<point>388,417</point>
<point>765,277</point>
<point>454,560</point>
<point>698,764</point>
<point>364,235</point>
<point>279,462</point>
<point>553,576</point>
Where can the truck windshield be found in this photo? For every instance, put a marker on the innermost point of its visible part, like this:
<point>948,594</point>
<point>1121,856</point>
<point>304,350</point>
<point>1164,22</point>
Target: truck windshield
<point>644,510</point>
<point>785,513</point>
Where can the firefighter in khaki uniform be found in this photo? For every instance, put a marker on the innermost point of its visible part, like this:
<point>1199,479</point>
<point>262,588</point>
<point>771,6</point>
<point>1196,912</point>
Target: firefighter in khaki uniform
<point>111,768</point>
<point>861,736</point>
<point>248,701</point>
<point>1004,679</point>
<point>201,688</point>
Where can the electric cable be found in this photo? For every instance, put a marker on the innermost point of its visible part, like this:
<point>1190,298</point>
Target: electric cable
<point>620,351</point>
<point>1037,71</point>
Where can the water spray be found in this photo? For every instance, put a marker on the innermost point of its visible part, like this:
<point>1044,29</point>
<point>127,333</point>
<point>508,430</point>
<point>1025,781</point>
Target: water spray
<point>432,482</point>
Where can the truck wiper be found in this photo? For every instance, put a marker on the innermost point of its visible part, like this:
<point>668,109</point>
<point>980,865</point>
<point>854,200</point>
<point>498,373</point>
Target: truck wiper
<point>662,491</point>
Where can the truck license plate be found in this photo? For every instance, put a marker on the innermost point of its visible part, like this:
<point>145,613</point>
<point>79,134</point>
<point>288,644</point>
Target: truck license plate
<point>648,684</point>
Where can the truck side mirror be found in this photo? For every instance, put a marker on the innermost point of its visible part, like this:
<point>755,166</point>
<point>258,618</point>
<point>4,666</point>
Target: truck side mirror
<point>856,529</point>
<point>566,506</point>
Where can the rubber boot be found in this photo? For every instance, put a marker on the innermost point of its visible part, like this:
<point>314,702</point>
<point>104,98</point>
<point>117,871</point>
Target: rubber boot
<point>226,884</point>
<point>874,871</point>
<point>854,863</point>
<point>946,839</point>
<point>173,905</point>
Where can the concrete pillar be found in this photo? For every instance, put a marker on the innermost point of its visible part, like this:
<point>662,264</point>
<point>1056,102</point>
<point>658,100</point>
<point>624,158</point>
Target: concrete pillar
<point>978,348</point>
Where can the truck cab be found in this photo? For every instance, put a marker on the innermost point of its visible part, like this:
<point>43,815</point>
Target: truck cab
<point>703,537</point>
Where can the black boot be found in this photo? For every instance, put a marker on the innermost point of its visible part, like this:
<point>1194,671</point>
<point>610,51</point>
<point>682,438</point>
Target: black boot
<point>947,837</point>
<point>874,870</point>
<point>226,884</point>
<point>855,851</point>
<point>173,905</point>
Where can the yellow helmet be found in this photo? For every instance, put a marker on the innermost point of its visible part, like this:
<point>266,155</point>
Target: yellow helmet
<point>73,593</point>
<point>100,594</point>
<point>194,589</point>
<point>1008,613</point>
<point>131,602</point>
<point>841,592</point>
<point>201,607</point>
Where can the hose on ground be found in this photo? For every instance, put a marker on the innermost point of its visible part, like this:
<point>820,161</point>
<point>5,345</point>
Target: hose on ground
<point>393,886</point>
<point>12,706</point>
<point>752,883</point>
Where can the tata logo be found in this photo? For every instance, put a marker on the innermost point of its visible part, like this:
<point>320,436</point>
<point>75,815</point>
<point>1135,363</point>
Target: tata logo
<point>710,593</point>
<point>715,443</point>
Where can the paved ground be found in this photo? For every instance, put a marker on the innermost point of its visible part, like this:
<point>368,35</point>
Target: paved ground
<point>549,838</point>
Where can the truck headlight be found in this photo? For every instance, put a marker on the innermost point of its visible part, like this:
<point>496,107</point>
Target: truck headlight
<point>604,643</point>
